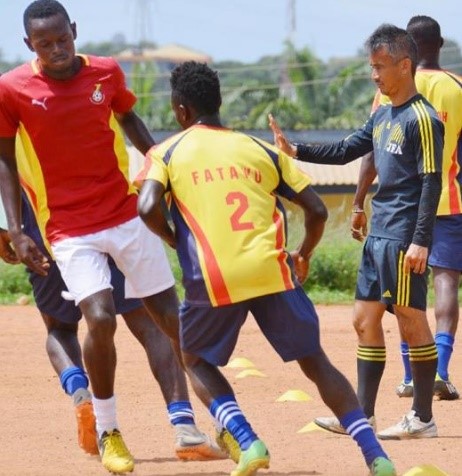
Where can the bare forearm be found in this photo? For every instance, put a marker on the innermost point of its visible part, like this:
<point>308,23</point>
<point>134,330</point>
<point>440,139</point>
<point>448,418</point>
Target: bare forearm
<point>158,224</point>
<point>315,213</point>
<point>136,131</point>
<point>150,208</point>
<point>314,229</point>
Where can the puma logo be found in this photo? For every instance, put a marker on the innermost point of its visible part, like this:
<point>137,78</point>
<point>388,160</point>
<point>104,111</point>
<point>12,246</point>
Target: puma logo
<point>36,102</point>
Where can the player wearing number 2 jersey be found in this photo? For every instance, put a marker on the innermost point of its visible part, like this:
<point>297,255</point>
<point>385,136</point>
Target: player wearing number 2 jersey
<point>230,235</point>
<point>239,181</point>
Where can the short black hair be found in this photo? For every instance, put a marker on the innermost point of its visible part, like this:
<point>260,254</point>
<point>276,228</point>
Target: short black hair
<point>425,30</point>
<point>197,85</point>
<point>43,9</point>
<point>399,43</point>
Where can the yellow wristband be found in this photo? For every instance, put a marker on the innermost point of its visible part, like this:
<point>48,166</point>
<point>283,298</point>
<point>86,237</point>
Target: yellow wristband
<point>357,210</point>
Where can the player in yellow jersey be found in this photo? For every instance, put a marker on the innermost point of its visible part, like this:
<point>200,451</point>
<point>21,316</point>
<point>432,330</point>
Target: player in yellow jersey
<point>443,90</point>
<point>230,236</point>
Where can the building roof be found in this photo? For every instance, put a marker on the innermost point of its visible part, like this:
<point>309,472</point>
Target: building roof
<point>171,53</point>
<point>332,175</point>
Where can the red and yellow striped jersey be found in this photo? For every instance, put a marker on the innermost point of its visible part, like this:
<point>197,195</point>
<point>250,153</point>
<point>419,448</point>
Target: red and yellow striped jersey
<point>230,224</point>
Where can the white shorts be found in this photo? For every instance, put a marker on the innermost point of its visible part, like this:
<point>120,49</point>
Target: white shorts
<point>138,253</point>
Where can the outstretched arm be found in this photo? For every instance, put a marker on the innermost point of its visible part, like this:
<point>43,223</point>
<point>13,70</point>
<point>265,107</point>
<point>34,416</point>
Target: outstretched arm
<point>336,153</point>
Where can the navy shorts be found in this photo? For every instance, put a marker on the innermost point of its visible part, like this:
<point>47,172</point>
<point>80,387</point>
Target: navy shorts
<point>381,276</point>
<point>47,293</point>
<point>287,319</point>
<point>447,243</point>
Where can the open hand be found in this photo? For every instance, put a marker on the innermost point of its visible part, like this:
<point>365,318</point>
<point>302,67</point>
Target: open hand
<point>280,139</point>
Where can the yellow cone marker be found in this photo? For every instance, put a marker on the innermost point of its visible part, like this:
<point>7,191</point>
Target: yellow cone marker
<point>311,427</point>
<point>294,396</point>
<point>240,363</point>
<point>250,373</point>
<point>425,470</point>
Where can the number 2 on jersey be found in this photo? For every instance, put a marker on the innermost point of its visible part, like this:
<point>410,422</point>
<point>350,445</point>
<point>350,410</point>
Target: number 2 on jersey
<point>236,218</point>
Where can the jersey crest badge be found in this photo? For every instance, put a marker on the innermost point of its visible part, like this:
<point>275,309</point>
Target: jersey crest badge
<point>98,96</point>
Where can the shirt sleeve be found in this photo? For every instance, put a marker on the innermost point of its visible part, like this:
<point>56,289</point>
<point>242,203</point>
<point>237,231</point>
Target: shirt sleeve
<point>123,99</point>
<point>155,167</point>
<point>428,140</point>
<point>9,117</point>
<point>342,152</point>
<point>292,179</point>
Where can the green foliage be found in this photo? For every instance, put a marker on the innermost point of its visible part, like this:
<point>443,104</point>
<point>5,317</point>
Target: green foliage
<point>451,56</point>
<point>305,71</point>
<point>14,283</point>
<point>144,78</point>
<point>350,94</point>
<point>334,266</point>
<point>173,259</point>
<point>288,113</point>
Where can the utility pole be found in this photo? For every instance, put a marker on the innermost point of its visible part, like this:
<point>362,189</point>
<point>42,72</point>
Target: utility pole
<point>143,26</point>
<point>286,88</point>
<point>291,20</point>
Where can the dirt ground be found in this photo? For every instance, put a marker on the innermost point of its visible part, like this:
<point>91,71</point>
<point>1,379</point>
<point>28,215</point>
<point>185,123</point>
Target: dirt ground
<point>38,433</point>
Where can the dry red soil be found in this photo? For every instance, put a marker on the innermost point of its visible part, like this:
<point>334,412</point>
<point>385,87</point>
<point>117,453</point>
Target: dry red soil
<point>38,433</point>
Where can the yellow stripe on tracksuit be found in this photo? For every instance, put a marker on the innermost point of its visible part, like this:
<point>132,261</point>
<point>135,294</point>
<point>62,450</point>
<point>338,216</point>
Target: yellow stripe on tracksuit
<point>375,354</point>
<point>423,353</point>
<point>403,287</point>
<point>426,136</point>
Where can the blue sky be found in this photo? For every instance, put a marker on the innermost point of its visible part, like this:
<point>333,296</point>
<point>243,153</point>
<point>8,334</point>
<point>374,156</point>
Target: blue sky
<point>243,30</point>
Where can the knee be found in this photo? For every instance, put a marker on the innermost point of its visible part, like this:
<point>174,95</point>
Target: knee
<point>166,317</point>
<point>101,324</point>
<point>190,361</point>
<point>361,324</point>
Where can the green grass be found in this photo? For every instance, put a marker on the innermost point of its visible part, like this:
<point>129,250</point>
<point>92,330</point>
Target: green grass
<point>332,277</point>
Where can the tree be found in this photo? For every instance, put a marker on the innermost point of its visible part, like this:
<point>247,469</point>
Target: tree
<point>451,57</point>
<point>305,72</point>
<point>349,96</point>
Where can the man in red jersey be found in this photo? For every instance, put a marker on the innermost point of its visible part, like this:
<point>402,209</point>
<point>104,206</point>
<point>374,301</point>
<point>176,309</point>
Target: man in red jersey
<point>68,111</point>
